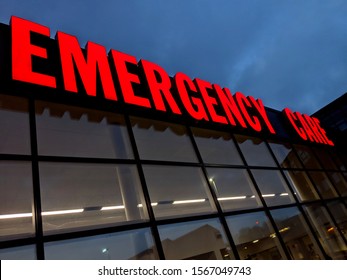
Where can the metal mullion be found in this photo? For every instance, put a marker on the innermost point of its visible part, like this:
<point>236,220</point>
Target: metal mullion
<point>243,211</point>
<point>17,242</point>
<point>187,219</point>
<point>214,196</point>
<point>37,208</point>
<point>213,165</point>
<point>298,202</point>
<point>169,163</point>
<point>95,232</point>
<point>67,159</point>
<point>266,209</point>
<point>14,157</point>
<point>154,228</point>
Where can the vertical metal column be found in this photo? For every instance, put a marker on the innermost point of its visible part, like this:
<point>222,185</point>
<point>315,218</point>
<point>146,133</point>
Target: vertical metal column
<point>37,209</point>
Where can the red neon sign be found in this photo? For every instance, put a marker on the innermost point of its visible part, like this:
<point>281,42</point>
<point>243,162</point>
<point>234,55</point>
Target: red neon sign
<point>71,54</point>
<point>308,128</point>
<point>159,85</point>
<point>191,102</point>
<point>23,51</point>
<point>126,79</point>
<point>198,99</point>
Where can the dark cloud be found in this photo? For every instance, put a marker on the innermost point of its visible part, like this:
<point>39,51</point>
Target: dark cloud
<point>288,53</point>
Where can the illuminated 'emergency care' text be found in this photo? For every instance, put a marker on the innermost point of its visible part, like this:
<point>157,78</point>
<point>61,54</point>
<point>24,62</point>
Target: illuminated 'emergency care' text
<point>198,99</point>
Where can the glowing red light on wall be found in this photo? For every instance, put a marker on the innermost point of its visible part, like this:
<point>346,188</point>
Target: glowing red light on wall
<point>96,61</point>
<point>308,128</point>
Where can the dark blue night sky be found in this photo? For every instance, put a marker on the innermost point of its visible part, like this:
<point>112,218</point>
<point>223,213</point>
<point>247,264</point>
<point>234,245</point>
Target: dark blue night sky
<point>288,53</point>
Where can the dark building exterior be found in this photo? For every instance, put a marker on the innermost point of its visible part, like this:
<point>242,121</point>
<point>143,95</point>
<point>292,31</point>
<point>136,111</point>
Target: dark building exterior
<point>333,116</point>
<point>82,177</point>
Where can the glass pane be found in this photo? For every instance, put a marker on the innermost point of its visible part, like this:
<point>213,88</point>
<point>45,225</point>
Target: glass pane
<point>198,240</point>
<point>325,158</point>
<point>178,191</point>
<point>130,245</point>
<point>14,126</point>
<point>19,253</point>
<point>77,195</point>
<point>323,184</point>
<point>162,141</point>
<point>296,234</point>
<point>16,219</point>
<point>337,156</point>
<point>216,147</point>
<point>233,188</point>
<point>307,157</point>
<point>273,187</point>
<point>285,155</point>
<point>253,236</point>
<point>301,185</point>
<point>340,181</point>
<point>339,211</point>
<point>71,131</point>
<point>255,151</point>
<point>327,233</point>
<point>342,159</point>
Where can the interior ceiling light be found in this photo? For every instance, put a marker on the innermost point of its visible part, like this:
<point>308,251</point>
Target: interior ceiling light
<point>19,215</point>
<point>112,207</point>
<point>188,201</point>
<point>268,195</point>
<point>232,198</point>
<point>62,212</point>
<point>153,204</point>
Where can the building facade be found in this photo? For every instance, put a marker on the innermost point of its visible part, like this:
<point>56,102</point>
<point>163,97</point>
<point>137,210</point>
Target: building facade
<point>82,177</point>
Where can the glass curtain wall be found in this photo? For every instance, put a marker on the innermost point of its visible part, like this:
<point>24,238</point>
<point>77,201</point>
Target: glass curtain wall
<point>78,183</point>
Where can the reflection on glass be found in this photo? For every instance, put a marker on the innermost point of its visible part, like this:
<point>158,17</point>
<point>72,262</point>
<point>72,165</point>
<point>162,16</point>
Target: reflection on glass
<point>323,184</point>
<point>16,218</point>
<point>339,211</point>
<point>216,147</point>
<point>71,131</point>
<point>253,236</point>
<point>307,157</point>
<point>234,188</point>
<point>326,231</point>
<point>130,245</point>
<point>77,195</point>
<point>325,158</point>
<point>340,181</point>
<point>296,234</point>
<point>178,191</point>
<point>285,155</point>
<point>14,126</point>
<point>19,253</point>
<point>301,185</point>
<point>255,151</point>
<point>162,141</point>
<point>273,187</point>
<point>198,240</point>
